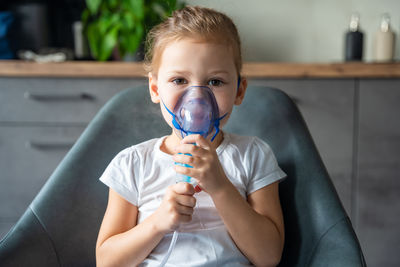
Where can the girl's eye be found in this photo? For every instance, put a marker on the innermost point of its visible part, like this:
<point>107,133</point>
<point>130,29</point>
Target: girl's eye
<point>179,81</point>
<point>215,82</point>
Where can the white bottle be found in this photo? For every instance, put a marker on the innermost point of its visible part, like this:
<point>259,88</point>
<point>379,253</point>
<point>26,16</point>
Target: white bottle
<point>383,50</point>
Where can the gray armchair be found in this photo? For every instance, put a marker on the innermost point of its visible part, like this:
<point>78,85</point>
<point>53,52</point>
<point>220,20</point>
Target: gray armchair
<point>60,227</point>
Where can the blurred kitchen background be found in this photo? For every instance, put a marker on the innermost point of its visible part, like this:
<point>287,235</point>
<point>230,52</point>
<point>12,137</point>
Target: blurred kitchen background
<point>284,31</point>
<point>349,100</point>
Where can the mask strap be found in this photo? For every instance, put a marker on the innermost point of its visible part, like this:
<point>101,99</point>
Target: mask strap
<point>238,84</point>
<point>216,126</point>
<point>174,122</point>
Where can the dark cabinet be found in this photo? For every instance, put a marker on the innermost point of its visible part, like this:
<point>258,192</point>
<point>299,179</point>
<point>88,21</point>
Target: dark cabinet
<point>40,119</point>
<point>378,171</point>
<point>29,154</point>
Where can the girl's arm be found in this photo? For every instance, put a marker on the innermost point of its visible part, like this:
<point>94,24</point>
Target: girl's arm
<point>256,225</point>
<point>123,242</point>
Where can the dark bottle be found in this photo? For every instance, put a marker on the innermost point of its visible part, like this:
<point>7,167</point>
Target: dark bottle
<point>354,40</point>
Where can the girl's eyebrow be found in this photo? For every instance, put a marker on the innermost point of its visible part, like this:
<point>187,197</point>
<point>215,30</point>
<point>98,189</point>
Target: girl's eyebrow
<point>219,72</point>
<point>188,73</point>
<point>178,72</point>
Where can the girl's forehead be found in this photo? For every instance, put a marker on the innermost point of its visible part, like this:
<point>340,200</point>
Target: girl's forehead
<point>188,53</point>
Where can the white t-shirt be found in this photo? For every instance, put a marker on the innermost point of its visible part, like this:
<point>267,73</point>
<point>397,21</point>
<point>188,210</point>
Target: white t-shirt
<point>142,173</point>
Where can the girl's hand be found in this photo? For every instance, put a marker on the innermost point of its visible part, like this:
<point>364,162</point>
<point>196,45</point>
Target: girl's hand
<point>176,208</point>
<point>207,169</point>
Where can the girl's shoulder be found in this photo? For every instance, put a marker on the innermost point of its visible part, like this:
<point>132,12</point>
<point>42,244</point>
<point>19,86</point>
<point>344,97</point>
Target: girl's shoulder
<point>144,148</point>
<point>244,143</point>
<point>239,139</point>
<point>148,144</point>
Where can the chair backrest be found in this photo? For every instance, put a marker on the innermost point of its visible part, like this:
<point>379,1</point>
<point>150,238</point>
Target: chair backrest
<point>318,230</point>
<point>60,227</point>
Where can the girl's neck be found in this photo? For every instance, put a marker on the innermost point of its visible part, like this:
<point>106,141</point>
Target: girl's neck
<point>173,140</point>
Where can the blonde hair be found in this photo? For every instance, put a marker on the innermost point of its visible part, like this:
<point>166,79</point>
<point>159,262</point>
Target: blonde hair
<point>203,24</point>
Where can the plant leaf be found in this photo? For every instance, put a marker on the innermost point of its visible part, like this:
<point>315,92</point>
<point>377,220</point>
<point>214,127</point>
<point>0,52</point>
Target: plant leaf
<point>128,20</point>
<point>122,23</point>
<point>93,40</point>
<point>136,7</point>
<point>113,4</point>
<point>129,41</point>
<point>104,24</point>
<point>122,43</point>
<point>108,43</point>
<point>115,18</point>
<point>85,17</point>
<point>93,6</point>
<point>135,39</point>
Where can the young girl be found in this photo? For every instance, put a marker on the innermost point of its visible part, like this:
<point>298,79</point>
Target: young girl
<point>236,218</point>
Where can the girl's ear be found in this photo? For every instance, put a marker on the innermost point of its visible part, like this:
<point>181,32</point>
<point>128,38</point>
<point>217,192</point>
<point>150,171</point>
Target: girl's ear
<point>241,91</point>
<point>153,89</point>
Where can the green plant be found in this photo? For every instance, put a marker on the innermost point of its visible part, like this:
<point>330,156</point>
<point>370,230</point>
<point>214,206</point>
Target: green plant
<point>122,24</point>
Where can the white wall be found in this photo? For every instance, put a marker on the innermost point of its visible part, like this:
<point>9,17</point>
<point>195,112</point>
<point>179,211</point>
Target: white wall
<point>303,30</point>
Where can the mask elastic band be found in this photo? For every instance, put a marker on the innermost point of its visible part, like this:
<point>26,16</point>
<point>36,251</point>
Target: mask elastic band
<point>216,126</point>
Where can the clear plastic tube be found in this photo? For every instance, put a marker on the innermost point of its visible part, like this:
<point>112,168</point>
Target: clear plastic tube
<point>171,247</point>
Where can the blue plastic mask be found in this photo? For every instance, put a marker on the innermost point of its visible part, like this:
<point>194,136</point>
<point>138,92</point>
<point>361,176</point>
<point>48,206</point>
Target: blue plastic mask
<point>196,112</point>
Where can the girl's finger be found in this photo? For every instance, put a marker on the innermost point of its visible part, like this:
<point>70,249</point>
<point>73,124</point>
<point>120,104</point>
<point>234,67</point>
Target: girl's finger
<point>185,159</point>
<point>187,201</point>
<point>184,210</point>
<point>196,139</point>
<point>190,149</point>
<point>183,189</point>
<point>185,171</point>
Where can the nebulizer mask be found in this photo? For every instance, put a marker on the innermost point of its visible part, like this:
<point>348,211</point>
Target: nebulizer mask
<point>196,112</point>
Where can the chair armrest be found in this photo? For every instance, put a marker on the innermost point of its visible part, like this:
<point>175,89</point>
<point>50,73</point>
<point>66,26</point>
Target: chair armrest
<point>28,244</point>
<point>337,247</point>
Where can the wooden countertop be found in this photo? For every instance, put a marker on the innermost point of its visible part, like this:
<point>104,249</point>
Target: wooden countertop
<point>15,68</point>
